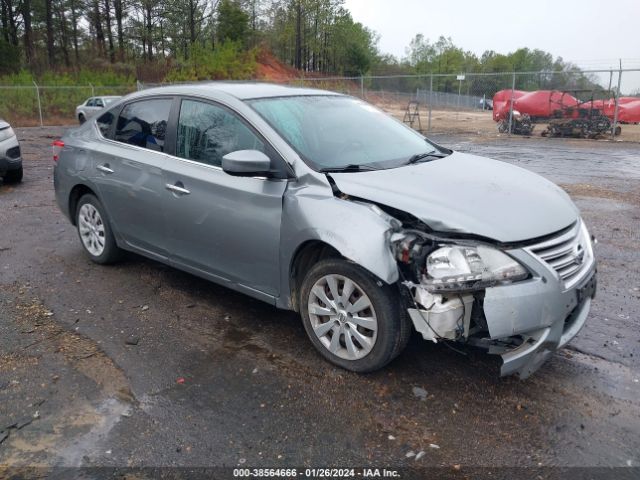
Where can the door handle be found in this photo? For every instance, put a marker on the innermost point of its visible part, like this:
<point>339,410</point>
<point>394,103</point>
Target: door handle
<point>178,188</point>
<point>104,168</point>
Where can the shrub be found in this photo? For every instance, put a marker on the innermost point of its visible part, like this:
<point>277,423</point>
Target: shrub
<point>227,61</point>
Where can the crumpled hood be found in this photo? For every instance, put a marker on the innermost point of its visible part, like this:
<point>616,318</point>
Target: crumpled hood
<point>468,194</point>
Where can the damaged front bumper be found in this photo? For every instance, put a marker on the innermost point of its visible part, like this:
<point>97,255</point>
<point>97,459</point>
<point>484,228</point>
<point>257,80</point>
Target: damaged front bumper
<point>542,312</point>
<point>524,322</point>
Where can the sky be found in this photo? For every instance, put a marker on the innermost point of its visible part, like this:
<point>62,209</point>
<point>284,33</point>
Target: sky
<point>593,34</point>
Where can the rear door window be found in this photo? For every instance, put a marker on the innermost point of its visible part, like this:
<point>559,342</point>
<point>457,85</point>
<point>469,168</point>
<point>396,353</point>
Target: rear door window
<point>144,123</point>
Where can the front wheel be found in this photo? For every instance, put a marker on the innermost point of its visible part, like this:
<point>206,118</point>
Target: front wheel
<point>95,232</point>
<point>353,319</point>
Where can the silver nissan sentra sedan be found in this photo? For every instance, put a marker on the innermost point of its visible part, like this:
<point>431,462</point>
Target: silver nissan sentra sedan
<point>321,203</point>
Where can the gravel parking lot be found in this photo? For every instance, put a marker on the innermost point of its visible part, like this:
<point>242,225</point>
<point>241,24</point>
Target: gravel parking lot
<point>142,365</point>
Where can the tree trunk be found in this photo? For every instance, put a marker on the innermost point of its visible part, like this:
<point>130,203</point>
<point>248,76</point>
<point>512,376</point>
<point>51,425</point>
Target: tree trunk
<point>149,32</point>
<point>298,48</point>
<point>49,26</point>
<point>192,21</point>
<point>184,40</point>
<point>9,27</point>
<point>28,33</point>
<point>117,4</point>
<point>107,17</point>
<point>4,16</point>
<point>74,30</point>
<point>97,21</point>
<point>162,44</point>
<point>64,37</point>
<point>314,63</point>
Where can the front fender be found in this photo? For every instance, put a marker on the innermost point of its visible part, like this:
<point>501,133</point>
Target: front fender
<point>360,232</point>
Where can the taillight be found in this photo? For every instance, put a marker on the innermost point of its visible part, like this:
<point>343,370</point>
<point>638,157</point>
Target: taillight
<point>57,145</point>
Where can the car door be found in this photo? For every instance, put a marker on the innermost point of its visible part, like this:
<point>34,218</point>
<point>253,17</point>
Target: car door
<point>223,226</point>
<point>97,106</point>
<point>128,174</point>
<point>88,107</point>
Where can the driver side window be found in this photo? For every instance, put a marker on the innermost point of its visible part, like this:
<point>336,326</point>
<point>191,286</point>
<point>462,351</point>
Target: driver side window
<point>207,132</point>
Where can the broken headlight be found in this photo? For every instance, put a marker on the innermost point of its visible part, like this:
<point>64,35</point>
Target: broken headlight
<point>454,267</point>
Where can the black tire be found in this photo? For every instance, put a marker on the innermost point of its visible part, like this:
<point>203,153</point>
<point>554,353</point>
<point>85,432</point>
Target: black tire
<point>394,327</point>
<point>111,252</point>
<point>13,176</point>
<point>81,118</point>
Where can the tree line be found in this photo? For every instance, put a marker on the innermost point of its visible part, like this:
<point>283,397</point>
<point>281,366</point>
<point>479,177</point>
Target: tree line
<point>195,39</point>
<point>310,35</point>
<point>443,57</point>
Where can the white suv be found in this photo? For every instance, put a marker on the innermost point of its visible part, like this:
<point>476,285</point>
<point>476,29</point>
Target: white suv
<point>10,156</point>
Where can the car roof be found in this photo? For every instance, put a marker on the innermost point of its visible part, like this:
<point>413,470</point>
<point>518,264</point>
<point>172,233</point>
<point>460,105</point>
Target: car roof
<point>240,90</point>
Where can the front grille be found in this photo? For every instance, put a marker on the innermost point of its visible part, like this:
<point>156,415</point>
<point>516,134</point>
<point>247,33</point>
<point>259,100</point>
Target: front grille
<point>13,152</point>
<point>569,254</point>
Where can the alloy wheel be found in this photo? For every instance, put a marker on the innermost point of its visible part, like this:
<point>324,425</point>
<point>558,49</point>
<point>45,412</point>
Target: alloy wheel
<point>91,228</point>
<point>342,317</point>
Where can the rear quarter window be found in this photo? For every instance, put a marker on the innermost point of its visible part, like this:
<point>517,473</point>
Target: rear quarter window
<point>144,123</point>
<point>105,122</point>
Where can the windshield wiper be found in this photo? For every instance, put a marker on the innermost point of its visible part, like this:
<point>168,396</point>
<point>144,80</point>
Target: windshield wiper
<point>423,156</point>
<point>352,167</point>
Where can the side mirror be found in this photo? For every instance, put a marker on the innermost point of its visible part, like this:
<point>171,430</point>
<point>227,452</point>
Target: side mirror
<point>246,163</point>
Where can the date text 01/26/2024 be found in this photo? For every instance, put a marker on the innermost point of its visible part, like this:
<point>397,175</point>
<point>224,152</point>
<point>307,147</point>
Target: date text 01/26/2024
<point>315,473</point>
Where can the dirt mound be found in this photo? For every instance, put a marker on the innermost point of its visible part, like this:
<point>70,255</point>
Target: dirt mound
<point>273,70</point>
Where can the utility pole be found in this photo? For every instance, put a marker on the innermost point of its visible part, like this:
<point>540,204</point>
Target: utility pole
<point>615,112</point>
<point>513,88</point>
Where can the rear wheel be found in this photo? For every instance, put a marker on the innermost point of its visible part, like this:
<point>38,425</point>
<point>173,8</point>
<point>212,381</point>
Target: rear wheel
<point>81,118</point>
<point>95,231</point>
<point>353,319</point>
<point>13,176</point>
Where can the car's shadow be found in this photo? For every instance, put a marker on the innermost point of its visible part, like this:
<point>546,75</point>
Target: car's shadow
<point>282,331</point>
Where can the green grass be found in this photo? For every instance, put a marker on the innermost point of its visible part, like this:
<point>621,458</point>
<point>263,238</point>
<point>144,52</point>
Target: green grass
<point>61,92</point>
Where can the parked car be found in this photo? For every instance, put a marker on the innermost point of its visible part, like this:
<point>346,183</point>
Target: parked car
<point>321,203</point>
<point>10,156</point>
<point>93,105</point>
<point>485,104</point>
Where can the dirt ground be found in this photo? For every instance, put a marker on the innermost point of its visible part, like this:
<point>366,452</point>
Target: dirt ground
<point>477,122</point>
<point>141,365</point>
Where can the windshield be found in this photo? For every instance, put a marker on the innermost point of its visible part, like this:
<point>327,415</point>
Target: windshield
<point>336,132</point>
<point>108,100</point>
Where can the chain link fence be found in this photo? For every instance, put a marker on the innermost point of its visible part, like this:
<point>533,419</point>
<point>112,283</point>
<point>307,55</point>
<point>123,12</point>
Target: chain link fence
<point>556,103</point>
<point>38,105</point>
<point>571,104</point>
